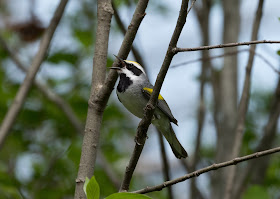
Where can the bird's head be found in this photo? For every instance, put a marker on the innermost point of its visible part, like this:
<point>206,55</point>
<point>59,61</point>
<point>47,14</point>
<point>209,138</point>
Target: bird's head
<point>130,69</point>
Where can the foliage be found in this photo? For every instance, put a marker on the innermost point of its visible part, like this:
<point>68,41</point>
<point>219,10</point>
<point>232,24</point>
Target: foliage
<point>41,155</point>
<point>256,192</point>
<point>92,190</point>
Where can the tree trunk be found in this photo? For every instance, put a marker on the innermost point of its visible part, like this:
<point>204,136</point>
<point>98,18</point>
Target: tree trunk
<point>228,97</point>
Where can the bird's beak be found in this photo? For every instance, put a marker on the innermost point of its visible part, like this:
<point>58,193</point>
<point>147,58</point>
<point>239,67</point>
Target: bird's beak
<point>122,64</point>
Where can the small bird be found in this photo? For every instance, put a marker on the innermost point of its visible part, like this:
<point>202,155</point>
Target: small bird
<point>134,91</point>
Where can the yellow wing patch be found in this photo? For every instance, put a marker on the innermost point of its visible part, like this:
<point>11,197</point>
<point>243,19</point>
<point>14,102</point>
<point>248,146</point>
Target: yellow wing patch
<point>150,90</point>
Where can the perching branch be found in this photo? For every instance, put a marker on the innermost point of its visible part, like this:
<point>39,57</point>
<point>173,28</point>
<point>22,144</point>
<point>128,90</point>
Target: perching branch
<point>27,83</point>
<point>243,105</point>
<point>207,169</point>
<point>150,107</point>
<point>177,50</point>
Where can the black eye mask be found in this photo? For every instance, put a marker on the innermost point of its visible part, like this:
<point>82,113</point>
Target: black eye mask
<point>136,71</point>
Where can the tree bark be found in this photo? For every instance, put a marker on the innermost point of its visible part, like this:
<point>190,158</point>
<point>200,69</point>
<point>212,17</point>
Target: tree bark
<point>243,105</point>
<point>95,106</point>
<point>228,92</point>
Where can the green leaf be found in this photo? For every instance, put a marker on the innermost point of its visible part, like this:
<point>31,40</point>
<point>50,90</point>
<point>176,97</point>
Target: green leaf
<point>127,196</point>
<point>85,185</point>
<point>256,192</point>
<point>278,52</point>
<point>61,56</point>
<point>85,37</point>
<point>91,188</point>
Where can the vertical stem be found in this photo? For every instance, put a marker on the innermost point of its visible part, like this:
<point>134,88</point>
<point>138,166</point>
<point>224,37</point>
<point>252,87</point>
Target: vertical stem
<point>95,106</point>
<point>165,168</point>
<point>243,105</point>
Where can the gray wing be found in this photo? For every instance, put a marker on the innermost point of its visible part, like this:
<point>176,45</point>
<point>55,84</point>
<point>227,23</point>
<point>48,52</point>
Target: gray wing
<point>163,106</point>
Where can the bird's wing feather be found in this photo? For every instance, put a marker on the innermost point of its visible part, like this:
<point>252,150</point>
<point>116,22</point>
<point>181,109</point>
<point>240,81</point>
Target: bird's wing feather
<point>162,105</point>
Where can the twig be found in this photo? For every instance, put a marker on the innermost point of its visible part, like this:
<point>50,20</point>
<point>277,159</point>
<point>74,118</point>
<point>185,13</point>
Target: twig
<point>129,37</point>
<point>243,105</point>
<point>177,50</point>
<point>207,169</point>
<point>228,54</point>
<point>95,107</point>
<point>150,107</point>
<point>27,83</point>
<point>166,171</point>
<point>187,168</point>
<point>121,25</point>
<point>193,2</point>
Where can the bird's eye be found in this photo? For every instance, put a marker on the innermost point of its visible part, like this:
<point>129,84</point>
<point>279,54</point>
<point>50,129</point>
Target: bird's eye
<point>129,66</point>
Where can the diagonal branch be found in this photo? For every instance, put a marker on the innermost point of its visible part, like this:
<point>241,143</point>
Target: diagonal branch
<point>27,83</point>
<point>150,107</point>
<point>129,37</point>
<point>121,25</point>
<point>66,109</point>
<point>243,105</point>
<point>177,50</point>
<point>207,169</point>
<point>46,91</point>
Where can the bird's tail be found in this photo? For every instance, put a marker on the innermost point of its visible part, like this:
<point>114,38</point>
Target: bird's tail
<point>174,143</point>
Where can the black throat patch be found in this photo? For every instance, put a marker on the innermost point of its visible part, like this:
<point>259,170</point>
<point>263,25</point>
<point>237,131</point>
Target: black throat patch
<point>124,83</point>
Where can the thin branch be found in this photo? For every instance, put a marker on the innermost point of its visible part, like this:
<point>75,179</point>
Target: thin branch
<point>150,107</point>
<point>243,105</point>
<point>193,2</point>
<point>187,168</point>
<point>177,50</point>
<point>27,83</point>
<point>234,161</point>
<point>95,107</point>
<point>129,37</point>
<point>228,54</point>
<point>121,25</point>
<point>166,170</point>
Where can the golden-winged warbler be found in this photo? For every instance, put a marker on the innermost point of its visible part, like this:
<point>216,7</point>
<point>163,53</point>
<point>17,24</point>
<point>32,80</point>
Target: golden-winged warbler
<point>134,91</point>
